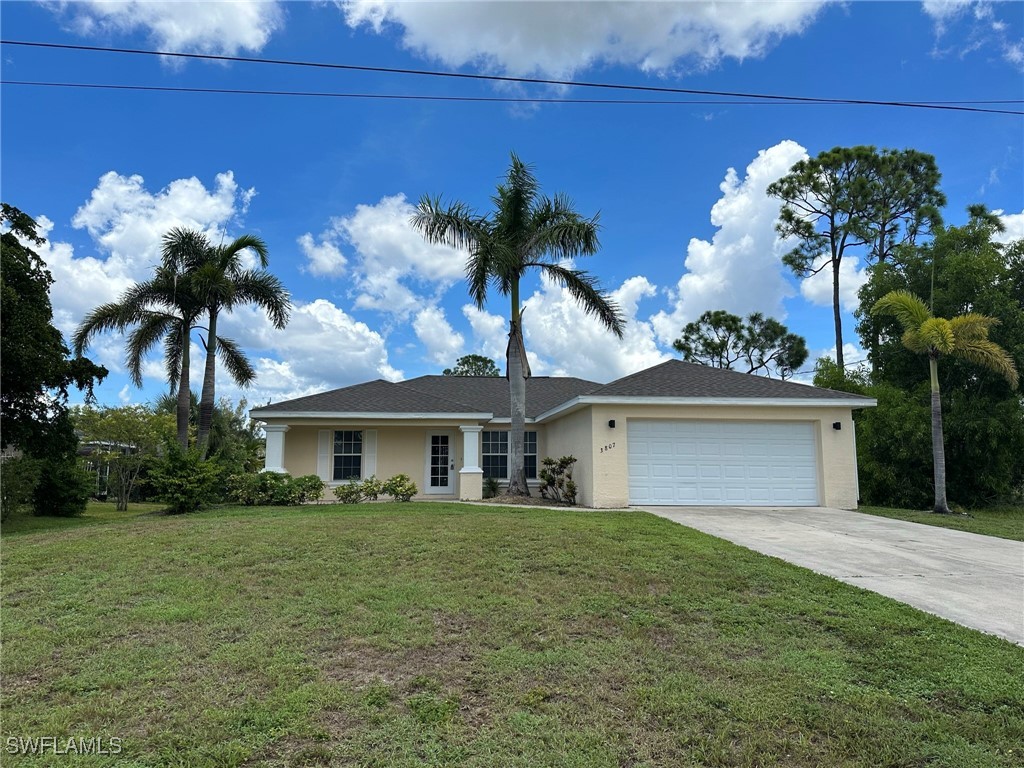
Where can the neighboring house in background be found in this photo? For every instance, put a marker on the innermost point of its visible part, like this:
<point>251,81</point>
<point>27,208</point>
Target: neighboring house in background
<point>677,433</point>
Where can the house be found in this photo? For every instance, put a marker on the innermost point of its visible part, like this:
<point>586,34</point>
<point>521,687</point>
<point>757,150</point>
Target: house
<point>676,433</point>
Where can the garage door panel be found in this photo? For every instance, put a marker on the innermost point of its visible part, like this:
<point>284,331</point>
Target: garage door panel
<point>735,463</point>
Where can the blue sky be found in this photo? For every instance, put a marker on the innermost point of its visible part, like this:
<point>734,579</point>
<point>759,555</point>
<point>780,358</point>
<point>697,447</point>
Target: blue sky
<point>329,182</point>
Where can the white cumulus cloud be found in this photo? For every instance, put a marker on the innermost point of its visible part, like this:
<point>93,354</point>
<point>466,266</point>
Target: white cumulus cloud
<point>395,269</point>
<point>205,26</point>
<point>561,38</point>
<point>565,341</point>
<point>490,333</point>
<point>323,259</point>
<point>740,269</point>
<point>817,289</point>
<point>322,348</point>
<point>443,343</point>
<point>126,222</point>
<point>1014,223</point>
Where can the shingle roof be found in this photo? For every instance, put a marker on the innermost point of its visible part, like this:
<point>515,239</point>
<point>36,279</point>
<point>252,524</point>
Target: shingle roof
<point>439,394</point>
<point>676,378</point>
<point>489,394</point>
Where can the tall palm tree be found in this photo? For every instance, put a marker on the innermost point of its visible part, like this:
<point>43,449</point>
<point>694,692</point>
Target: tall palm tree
<point>525,231</point>
<point>160,309</point>
<point>221,284</point>
<point>964,336</point>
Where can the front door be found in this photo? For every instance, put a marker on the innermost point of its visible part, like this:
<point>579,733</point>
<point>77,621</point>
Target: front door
<point>440,464</point>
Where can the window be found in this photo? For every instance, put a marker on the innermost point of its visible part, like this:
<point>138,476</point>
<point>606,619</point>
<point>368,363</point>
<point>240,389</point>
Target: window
<point>494,454</point>
<point>348,454</point>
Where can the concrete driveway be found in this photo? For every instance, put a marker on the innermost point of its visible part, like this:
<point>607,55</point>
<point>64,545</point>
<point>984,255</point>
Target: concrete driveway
<point>974,580</point>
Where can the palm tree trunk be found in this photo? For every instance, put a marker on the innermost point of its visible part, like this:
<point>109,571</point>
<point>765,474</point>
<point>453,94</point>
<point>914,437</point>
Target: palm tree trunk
<point>838,317</point>
<point>184,391</point>
<point>517,391</point>
<point>938,444</point>
<point>206,399</point>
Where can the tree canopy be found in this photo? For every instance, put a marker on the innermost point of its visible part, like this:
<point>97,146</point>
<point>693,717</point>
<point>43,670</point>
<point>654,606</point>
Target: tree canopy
<point>37,371</point>
<point>759,345</point>
<point>473,365</point>
<point>851,198</point>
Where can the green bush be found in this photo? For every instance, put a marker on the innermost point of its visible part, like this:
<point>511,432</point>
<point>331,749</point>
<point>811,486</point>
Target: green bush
<point>18,479</point>
<point>184,480</point>
<point>350,492</point>
<point>491,488</point>
<point>273,489</point>
<point>556,480</point>
<point>63,489</point>
<point>309,488</point>
<point>371,488</point>
<point>400,488</point>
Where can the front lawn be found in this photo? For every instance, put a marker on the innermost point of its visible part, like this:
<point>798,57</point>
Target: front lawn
<point>1006,522</point>
<point>454,635</point>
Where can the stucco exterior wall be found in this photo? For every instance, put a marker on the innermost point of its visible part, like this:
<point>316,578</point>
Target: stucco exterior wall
<point>401,448</point>
<point>573,435</point>
<point>606,469</point>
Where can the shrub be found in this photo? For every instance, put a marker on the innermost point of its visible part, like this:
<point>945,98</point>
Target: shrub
<point>244,489</point>
<point>556,480</point>
<point>491,488</point>
<point>400,488</point>
<point>371,488</point>
<point>350,492</point>
<point>184,480</point>
<point>309,487</point>
<point>63,489</point>
<point>18,479</point>
<point>274,488</point>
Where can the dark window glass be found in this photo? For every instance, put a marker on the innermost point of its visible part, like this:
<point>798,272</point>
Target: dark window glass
<point>494,454</point>
<point>348,454</point>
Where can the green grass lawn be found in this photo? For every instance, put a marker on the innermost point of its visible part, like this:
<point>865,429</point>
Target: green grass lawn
<point>452,635</point>
<point>1006,522</point>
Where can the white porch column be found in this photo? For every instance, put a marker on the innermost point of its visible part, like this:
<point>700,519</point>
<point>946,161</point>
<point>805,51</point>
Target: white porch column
<point>471,476</point>
<point>274,460</point>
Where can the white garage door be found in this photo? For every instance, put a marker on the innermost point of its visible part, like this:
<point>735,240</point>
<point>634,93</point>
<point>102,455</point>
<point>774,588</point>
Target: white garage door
<point>722,463</point>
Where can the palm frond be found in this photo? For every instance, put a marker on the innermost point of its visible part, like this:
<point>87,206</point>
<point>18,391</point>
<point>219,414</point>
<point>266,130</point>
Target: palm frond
<point>567,237</point>
<point>263,289</point>
<point>905,306</point>
<point>229,254</point>
<point>913,341</point>
<point>151,329</point>
<point>937,333</point>
<point>237,364</point>
<point>989,355</point>
<point>972,326</point>
<point>583,287</point>
<point>106,317</point>
<point>455,225</point>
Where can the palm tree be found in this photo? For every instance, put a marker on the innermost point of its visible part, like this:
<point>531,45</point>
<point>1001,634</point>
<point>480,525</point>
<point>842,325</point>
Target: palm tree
<point>221,284</point>
<point>159,309</point>
<point>526,230</point>
<point>964,336</point>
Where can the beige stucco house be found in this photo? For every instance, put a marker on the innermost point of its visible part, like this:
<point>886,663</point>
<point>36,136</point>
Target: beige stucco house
<point>674,434</point>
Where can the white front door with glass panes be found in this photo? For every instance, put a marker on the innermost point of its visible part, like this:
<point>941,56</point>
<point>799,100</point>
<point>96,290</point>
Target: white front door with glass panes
<point>494,450</point>
<point>440,463</point>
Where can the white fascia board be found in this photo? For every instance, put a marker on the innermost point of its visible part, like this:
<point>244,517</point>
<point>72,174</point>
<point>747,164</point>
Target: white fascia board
<point>823,402</point>
<point>344,415</point>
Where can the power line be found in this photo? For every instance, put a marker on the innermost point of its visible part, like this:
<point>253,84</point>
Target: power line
<point>425,97</point>
<point>510,79</point>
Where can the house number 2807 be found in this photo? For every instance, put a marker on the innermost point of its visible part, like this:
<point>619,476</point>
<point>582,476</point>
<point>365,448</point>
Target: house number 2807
<point>607,447</point>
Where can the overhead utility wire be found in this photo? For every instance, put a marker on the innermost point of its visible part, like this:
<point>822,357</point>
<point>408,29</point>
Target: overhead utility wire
<point>506,78</point>
<point>426,97</point>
